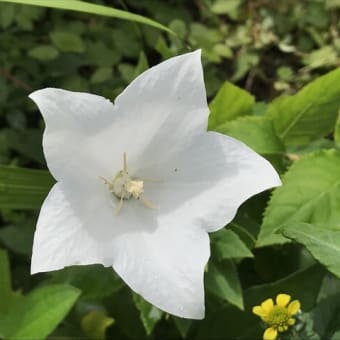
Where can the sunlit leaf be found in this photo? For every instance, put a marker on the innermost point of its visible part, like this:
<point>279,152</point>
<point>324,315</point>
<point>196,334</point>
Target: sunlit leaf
<point>230,102</point>
<point>36,315</point>
<point>310,193</point>
<point>310,114</point>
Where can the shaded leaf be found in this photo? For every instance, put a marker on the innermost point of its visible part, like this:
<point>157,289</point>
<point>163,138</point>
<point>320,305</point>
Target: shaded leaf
<point>43,52</point>
<point>95,281</point>
<point>95,323</point>
<point>222,280</point>
<point>6,294</point>
<point>228,245</point>
<point>321,240</point>
<point>22,188</point>
<point>149,314</point>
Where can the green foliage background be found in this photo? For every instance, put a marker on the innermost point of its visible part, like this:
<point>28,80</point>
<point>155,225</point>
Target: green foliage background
<point>258,57</point>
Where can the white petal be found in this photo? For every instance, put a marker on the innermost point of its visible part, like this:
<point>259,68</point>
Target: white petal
<point>74,123</point>
<point>86,135</point>
<point>205,184</point>
<point>72,229</point>
<point>164,263</point>
<point>166,266</point>
<point>165,105</point>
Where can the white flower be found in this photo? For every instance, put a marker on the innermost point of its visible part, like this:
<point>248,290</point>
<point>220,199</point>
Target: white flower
<point>151,222</point>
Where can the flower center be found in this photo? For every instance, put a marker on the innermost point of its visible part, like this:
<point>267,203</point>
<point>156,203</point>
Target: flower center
<point>278,318</point>
<point>125,187</point>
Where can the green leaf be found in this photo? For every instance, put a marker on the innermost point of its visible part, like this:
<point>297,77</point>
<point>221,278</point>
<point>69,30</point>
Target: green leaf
<point>326,316</point>
<point>67,42</point>
<point>222,280</point>
<point>27,143</point>
<point>36,315</point>
<point>95,323</point>
<point>123,309</point>
<point>94,281</point>
<point>183,325</point>
<point>257,132</point>
<point>322,241</point>
<point>310,114</point>
<point>101,75</point>
<point>227,245</point>
<point>336,336</point>
<point>18,238</point>
<point>149,314</point>
<point>303,285</point>
<point>310,194</point>
<point>337,131</point>
<point>22,188</point>
<point>86,7</point>
<point>43,52</point>
<point>230,102</point>
<point>6,294</point>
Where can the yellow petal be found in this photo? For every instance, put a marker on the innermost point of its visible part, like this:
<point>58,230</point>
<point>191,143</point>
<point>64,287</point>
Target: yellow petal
<point>267,305</point>
<point>282,300</point>
<point>270,334</point>
<point>291,322</point>
<point>258,310</point>
<point>293,307</point>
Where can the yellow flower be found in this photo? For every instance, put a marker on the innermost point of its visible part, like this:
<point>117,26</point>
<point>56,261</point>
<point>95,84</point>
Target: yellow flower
<point>277,316</point>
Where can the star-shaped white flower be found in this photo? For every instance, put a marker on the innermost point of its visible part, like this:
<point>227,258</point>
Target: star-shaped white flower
<point>148,216</point>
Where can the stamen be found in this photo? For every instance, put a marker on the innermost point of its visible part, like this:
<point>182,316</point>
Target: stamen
<point>119,206</point>
<point>125,187</point>
<point>147,203</point>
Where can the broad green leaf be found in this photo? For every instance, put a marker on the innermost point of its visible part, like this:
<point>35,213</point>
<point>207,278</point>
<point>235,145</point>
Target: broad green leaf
<point>22,188</point>
<point>36,315</point>
<point>222,280</point>
<point>43,52</point>
<point>310,193</point>
<point>230,102</point>
<point>87,7</point>
<point>67,42</point>
<point>6,294</point>
<point>94,281</point>
<point>310,114</point>
<point>149,314</point>
<point>226,244</point>
<point>257,132</point>
<point>95,323</point>
<point>322,241</point>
